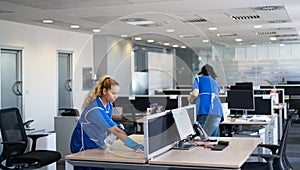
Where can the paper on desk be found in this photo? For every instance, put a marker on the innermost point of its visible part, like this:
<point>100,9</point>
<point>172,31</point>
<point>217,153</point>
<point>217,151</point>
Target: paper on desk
<point>260,119</point>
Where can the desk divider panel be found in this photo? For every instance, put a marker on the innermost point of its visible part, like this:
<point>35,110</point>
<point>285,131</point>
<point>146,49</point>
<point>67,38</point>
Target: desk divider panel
<point>160,132</point>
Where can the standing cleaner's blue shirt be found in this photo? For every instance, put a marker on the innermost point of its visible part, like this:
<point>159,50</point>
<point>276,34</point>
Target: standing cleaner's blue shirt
<point>208,101</point>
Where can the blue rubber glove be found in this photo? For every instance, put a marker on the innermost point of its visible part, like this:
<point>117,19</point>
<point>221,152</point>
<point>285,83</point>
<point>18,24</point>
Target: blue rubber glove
<point>133,145</point>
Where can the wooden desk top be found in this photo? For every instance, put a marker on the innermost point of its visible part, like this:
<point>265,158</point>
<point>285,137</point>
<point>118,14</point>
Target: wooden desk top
<point>239,121</point>
<point>233,156</point>
<point>117,153</point>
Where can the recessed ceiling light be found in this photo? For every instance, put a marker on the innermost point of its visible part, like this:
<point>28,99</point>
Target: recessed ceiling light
<point>75,26</point>
<point>175,45</point>
<point>96,30</point>
<point>124,35</point>
<point>281,45</point>
<point>170,30</point>
<point>150,41</point>
<point>257,26</point>
<point>183,46</point>
<point>166,44</point>
<point>205,41</point>
<point>47,21</point>
<point>138,38</point>
<point>139,21</point>
<point>212,28</point>
<point>238,40</point>
<point>253,45</point>
<point>273,38</point>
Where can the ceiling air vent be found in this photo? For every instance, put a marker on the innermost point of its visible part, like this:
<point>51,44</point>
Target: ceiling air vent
<point>245,17</point>
<point>291,39</point>
<point>287,35</point>
<point>195,19</point>
<point>266,33</point>
<point>229,34</point>
<point>269,8</point>
<point>278,21</point>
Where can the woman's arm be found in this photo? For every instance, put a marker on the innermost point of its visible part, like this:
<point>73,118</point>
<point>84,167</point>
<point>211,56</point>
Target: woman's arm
<point>118,132</point>
<point>194,94</point>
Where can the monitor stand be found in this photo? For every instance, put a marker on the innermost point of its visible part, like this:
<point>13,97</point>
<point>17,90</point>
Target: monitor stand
<point>182,145</point>
<point>245,115</point>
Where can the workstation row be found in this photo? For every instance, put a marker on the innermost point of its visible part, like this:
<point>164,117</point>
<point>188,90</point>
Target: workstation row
<point>125,106</point>
<point>163,138</point>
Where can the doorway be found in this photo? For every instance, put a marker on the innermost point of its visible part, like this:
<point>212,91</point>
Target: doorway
<point>65,99</point>
<point>11,78</point>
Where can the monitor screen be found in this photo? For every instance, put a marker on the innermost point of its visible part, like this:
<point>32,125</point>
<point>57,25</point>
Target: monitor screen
<point>240,100</point>
<point>191,110</point>
<point>263,105</point>
<point>244,85</point>
<point>183,123</point>
<point>140,103</point>
<point>290,89</point>
<point>294,104</point>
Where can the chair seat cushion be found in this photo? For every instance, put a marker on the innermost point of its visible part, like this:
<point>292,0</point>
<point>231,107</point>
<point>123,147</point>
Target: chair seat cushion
<point>255,166</point>
<point>37,158</point>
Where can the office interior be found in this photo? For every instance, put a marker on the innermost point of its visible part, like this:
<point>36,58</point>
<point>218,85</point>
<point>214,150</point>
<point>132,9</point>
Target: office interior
<point>56,66</point>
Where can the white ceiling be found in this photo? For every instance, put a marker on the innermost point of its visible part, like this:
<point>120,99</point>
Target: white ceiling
<point>192,18</point>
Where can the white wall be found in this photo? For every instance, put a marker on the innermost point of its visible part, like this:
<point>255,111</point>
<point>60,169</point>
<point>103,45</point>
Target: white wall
<point>112,55</point>
<point>40,71</point>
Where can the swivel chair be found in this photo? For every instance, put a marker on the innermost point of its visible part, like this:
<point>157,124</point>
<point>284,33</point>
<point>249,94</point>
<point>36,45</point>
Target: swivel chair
<point>278,159</point>
<point>14,140</point>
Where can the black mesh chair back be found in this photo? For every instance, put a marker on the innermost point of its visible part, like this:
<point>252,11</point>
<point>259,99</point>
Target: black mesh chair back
<point>282,162</point>
<point>12,131</point>
<point>14,140</point>
<point>278,160</point>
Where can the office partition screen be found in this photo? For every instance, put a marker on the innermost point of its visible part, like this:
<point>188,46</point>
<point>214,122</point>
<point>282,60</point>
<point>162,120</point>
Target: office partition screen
<point>160,133</point>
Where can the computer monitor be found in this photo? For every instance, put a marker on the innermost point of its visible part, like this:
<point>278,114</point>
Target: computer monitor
<point>244,85</point>
<point>290,89</point>
<point>140,103</point>
<point>294,104</point>
<point>191,110</point>
<point>183,123</point>
<point>240,100</point>
<point>263,105</point>
<point>293,82</point>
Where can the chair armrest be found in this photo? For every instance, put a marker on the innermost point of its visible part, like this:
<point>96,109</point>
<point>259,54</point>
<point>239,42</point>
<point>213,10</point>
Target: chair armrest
<point>12,142</point>
<point>271,147</point>
<point>34,138</point>
<point>269,158</point>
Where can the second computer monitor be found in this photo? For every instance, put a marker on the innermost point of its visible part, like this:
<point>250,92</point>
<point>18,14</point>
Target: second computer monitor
<point>240,100</point>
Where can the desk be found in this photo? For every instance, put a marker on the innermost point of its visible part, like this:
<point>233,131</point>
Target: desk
<point>120,157</point>
<point>270,126</point>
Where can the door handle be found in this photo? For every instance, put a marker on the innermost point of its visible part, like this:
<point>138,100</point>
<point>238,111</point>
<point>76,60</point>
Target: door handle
<point>17,88</point>
<point>68,85</point>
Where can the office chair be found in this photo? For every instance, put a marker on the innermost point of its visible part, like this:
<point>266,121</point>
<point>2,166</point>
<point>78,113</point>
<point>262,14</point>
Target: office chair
<point>14,140</point>
<point>278,159</point>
